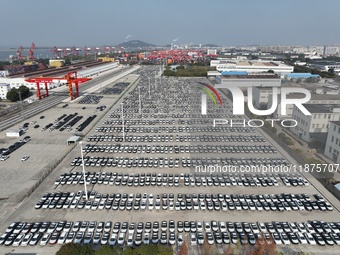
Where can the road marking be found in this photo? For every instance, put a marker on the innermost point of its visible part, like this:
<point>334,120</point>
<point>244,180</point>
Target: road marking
<point>3,213</point>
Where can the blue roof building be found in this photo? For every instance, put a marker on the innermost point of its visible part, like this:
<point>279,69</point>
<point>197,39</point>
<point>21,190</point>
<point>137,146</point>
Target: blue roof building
<point>234,73</point>
<point>301,75</point>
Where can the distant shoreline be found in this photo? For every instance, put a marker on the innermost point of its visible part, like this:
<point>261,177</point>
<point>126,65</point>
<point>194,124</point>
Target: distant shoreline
<point>15,49</point>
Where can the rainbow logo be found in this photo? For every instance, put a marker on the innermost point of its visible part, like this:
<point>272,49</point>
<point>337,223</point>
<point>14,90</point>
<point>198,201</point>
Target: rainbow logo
<point>212,93</point>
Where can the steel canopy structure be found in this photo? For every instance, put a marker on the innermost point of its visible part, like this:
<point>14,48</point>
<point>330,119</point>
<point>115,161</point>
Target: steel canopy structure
<point>70,78</point>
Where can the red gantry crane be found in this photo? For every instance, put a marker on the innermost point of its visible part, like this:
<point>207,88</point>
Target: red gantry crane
<point>31,52</point>
<point>71,78</point>
<point>19,52</point>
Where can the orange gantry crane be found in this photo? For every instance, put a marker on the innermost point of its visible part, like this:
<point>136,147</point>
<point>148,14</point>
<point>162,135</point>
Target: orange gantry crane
<point>71,78</point>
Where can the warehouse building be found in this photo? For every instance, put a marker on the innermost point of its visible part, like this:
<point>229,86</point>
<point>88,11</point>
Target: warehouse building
<point>4,88</point>
<point>315,99</point>
<point>250,66</point>
<point>301,76</point>
<point>332,148</point>
<point>250,80</point>
<point>315,127</point>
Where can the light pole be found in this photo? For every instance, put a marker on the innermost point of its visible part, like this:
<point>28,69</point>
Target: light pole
<point>21,105</point>
<point>149,87</point>
<point>82,162</point>
<point>122,109</point>
<point>140,104</point>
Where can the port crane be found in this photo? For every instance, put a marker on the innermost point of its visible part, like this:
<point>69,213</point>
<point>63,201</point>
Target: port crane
<point>31,51</point>
<point>70,78</point>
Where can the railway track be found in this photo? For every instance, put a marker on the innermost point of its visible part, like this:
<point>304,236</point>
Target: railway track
<point>53,99</point>
<point>59,70</point>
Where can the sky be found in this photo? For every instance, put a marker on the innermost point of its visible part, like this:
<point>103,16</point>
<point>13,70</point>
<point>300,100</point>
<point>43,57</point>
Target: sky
<point>67,23</point>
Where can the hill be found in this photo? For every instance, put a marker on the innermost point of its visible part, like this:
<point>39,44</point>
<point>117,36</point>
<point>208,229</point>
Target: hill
<point>135,44</point>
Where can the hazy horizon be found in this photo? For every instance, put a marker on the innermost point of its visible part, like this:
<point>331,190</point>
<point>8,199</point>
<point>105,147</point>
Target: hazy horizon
<point>224,23</point>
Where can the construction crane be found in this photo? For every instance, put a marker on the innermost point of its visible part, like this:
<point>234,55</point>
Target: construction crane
<point>56,52</point>
<point>19,52</point>
<point>75,51</point>
<point>31,52</point>
<point>87,51</point>
<point>70,78</point>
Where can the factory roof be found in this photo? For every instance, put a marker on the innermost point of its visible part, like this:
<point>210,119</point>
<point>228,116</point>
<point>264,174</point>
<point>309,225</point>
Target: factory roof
<point>314,96</point>
<point>234,73</point>
<point>301,75</point>
<point>251,76</point>
<point>321,108</point>
<point>336,122</point>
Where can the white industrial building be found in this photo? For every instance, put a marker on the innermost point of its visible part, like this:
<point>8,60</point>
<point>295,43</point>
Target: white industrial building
<point>315,99</point>
<point>314,127</point>
<point>262,97</point>
<point>4,88</point>
<point>332,148</point>
<point>17,82</point>
<point>326,66</point>
<point>250,66</point>
<point>260,83</point>
<point>253,80</point>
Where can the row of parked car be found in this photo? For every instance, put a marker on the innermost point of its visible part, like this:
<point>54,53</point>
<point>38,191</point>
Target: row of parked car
<point>169,149</point>
<point>116,89</point>
<point>83,125</point>
<point>160,162</point>
<point>5,152</point>
<point>171,233</point>
<point>182,202</point>
<point>176,138</point>
<point>128,127</point>
<point>66,122</point>
<point>170,180</point>
<point>90,99</point>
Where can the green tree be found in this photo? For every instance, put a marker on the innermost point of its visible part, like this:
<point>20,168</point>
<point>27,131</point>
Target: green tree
<point>285,139</point>
<point>25,92</point>
<point>151,249</point>
<point>75,249</point>
<point>104,250</point>
<point>165,250</point>
<point>13,95</point>
<point>129,251</point>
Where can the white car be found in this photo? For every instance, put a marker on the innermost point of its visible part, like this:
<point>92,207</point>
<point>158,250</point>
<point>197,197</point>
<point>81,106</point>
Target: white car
<point>18,239</point>
<point>180,239</point>
<point>310,238</point>
<point>130,240</point>
<point>113,239</point>
<point>24,158</point>
<point>3,158</point>
<point>26,239</point>
<point>193,239</point>
<point>62,237</point>
<point>44,240</point>
<point>121,239</point>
